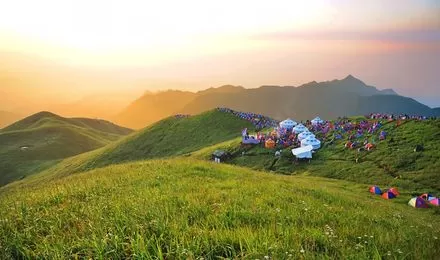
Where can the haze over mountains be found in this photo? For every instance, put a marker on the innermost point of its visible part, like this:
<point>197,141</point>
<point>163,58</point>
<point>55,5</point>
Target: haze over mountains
<point>7,118</point>
<point>330,99</point>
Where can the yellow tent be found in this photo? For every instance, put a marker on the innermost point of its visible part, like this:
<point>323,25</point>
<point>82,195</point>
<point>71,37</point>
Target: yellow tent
<point>270,143</point>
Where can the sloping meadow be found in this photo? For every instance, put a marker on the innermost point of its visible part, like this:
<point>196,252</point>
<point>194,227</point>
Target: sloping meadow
<point>184,208</point>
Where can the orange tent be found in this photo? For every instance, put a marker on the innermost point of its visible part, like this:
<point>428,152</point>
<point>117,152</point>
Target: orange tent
<point>270,144</point>
<point>388,195</point>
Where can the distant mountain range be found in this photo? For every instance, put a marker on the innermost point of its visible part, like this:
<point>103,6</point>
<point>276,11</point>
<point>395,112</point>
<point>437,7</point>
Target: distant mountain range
<point>330,99</point>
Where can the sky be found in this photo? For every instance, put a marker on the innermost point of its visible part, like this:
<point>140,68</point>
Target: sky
<point>197,44</point>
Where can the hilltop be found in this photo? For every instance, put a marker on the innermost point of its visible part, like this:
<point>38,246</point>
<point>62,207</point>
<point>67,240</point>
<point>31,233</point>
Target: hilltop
<point>41,140</point>
<point>330,99</point>
<point>190,209</point>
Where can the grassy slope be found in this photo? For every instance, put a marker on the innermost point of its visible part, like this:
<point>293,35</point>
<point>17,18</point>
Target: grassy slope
<point>392,163</point>
<point>49,138</point>
<point>186,209</point>
<point>169,137</point>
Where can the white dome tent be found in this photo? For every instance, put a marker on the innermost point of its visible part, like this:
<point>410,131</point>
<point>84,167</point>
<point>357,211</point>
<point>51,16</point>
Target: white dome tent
<point>288,124</point>
<point>304,135</point>
<point>317,120</point>
<point>315,143</point>
<point>299,129</point>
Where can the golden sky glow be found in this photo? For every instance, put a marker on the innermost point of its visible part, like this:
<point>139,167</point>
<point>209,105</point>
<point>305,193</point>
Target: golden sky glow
<point>95,31</point>
<point>244,42</point>
<point>130,32</point>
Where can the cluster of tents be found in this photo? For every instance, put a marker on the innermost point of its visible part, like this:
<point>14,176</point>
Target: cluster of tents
<point>285,133</point>
<point>307,139</point>
<point>421,201</point>
<point>389,194</point>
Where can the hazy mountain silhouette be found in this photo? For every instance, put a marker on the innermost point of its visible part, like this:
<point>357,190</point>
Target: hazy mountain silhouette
<point>152,107</point>
<point>29,84</point>
<point>329,99</point>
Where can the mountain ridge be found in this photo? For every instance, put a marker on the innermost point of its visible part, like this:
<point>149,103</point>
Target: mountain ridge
<point>348,96</point>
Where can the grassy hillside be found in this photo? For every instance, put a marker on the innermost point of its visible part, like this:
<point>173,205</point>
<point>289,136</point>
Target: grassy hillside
<point>170,137</point>
<point>393,162</point>
<point>181,209</point>
<point>41,140</point>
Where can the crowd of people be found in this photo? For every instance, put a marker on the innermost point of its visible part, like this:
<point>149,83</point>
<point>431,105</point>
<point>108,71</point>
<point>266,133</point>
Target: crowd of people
<point>259,121</point>
<point>356,132</point>
<point>181,116</point>
<point>395,117</point>
<point>282,137</point>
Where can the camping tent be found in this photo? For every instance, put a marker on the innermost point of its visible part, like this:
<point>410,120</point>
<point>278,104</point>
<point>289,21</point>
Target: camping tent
<point>303,152</point>
<point>299,129</point>
<point>288,124</point>
<point>388,195</point>
<point>435,202</point>
<point>310,140</point>
<point>394,191</point>
<point>317,121</point>
<point>418,202</point>
<point>427,196</point>
<point>304,135</point>
<point>375,190</point>
<point>270,143</point>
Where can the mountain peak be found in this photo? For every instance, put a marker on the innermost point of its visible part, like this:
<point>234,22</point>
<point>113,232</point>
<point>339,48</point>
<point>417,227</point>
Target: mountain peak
<point>351,78</point>
<point>42,114</point>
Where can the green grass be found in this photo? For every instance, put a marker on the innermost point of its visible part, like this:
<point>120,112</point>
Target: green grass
<point>49,138</point>
<point>174,136</point>
<point>186,209</point>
